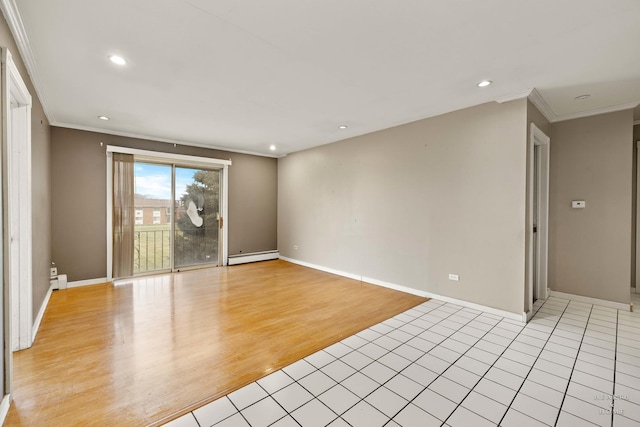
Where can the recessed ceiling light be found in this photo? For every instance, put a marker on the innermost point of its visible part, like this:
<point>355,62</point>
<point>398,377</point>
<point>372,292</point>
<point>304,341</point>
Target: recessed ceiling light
<point>583,97</point>
<point>118,60</point>
<point>104,118</point>
<point>272,147</point>
<point>342,127</point>
<point>484,83</point>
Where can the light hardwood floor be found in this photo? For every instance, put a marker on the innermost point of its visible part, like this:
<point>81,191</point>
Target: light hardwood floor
<point>148,350</point>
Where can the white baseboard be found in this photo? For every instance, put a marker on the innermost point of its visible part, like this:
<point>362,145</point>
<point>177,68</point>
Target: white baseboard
<point>43,307</point>
<point>589,300</point>
<point>88,282</point>
<point>321,268</point>
<point>395,287</point>
<point>4,408</point>
<point>506,314</point>
<point>253,257</point>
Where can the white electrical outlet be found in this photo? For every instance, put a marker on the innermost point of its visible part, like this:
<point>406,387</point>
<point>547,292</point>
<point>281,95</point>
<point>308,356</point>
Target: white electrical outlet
<point>454,277</point>
<point>578,204</point>
<point>295,247</point>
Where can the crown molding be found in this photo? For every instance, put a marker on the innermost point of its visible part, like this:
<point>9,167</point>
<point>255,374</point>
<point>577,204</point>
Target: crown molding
<point>11,14</point>
<point>597,111</point>
<point>165,140</point>
<point>512,97</point>
<point>537,100</point>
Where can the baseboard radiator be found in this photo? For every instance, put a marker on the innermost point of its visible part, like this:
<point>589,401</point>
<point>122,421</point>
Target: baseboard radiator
<point>253,257</point>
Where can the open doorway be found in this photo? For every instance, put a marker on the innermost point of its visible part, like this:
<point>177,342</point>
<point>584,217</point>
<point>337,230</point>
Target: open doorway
<point>538,219</point>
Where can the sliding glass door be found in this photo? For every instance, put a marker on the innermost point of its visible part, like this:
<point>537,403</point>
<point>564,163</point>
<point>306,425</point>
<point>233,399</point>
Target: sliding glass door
<point>177,217</point>
<point>197,217</point>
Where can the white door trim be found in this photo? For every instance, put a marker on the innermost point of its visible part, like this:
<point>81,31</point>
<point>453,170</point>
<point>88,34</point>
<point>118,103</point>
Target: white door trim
<point>109,216</point>
<point>4,408</point>
<point>637,146</point>
<point>17,201</point>
<point>168,158</point>
<point>225,216</point>
<point>539,139</point>
<point>19,212</point>
<point>16,214</point>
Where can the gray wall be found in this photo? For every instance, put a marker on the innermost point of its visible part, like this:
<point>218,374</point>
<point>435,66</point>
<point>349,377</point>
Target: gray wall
<point>411,204</point>
<point>590,249</point>
<point>78,172</point>
<point>39,180</point>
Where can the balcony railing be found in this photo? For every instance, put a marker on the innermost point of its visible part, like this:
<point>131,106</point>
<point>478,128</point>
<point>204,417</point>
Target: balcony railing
<point>151,250</point>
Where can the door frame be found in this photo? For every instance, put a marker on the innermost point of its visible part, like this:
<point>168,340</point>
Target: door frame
<point>170,158</point>
<point>17,203</point>
<point>17,307</point>
<point>637,218</point>
<point>538,139</point>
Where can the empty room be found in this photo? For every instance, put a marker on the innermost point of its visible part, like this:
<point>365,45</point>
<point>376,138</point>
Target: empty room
<point>312,213</point>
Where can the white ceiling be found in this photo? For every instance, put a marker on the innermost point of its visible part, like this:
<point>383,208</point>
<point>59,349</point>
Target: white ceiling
<point>245,74</point>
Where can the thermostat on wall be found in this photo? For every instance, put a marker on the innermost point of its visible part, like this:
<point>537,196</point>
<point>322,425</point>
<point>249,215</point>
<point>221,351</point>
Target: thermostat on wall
<point>578,204</point>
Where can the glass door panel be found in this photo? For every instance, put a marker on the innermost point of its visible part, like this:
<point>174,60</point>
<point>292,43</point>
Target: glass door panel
<point>152,231</point>
<point>196,219</point>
